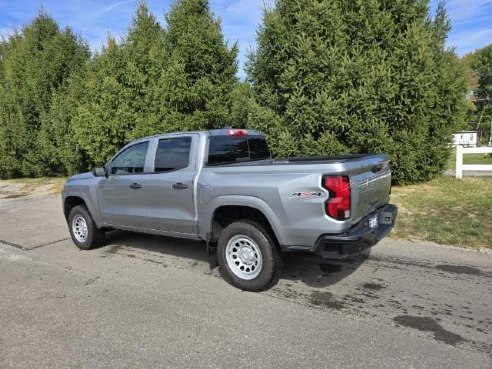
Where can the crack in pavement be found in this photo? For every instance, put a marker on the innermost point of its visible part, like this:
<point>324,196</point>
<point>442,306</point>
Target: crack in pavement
<point>7,243</point>
<point>24,248</point>
<point>49,243</point>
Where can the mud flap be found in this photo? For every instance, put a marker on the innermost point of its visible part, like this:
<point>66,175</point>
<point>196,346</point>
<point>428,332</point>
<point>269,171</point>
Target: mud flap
<point>213,260</point>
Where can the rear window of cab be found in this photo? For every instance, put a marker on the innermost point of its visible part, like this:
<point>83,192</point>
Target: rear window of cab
<point>234,149</point>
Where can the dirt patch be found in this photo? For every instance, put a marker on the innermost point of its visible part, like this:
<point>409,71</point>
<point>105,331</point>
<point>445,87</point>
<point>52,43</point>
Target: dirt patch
<point>288,294</point>
<point>113,249</point>
<point>325,299</point>
<point>426,324</point>
<point>373,286</point>
<point>459,269</point>
<point>15,195</point>
<point>16,188</point>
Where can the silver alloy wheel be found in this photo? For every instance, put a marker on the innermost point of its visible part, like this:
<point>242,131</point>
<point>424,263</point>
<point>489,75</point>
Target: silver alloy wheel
<point>243,257</point>
<point>79,228</point>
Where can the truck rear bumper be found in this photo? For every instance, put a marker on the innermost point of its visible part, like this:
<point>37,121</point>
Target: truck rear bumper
<point>359,237</point>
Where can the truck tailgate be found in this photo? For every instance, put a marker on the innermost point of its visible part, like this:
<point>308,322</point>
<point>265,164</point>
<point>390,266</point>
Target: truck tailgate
<point>370,182</point>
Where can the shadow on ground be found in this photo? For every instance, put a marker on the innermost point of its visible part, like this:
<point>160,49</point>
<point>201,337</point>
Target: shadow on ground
<point>301,267</point>
<point>314,272</point>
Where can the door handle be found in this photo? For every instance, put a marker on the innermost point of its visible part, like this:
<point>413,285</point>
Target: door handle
<point>135,186</point>
<point>180,186</point>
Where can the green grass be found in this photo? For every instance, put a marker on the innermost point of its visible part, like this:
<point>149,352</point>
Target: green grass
<point>446,211</point>
<point>469,159</point>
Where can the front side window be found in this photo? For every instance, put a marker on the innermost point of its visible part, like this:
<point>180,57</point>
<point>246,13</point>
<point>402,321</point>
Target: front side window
<point>131,161</point>
<point>172,154</point>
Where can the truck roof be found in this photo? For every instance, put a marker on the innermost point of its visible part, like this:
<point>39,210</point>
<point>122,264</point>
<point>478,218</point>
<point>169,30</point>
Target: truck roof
<point>209,132</point>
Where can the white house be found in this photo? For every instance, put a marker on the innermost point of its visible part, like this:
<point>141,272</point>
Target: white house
<point>465,138</point>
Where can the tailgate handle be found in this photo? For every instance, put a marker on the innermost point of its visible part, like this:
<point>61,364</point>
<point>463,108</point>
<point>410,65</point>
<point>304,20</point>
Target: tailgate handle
<point>180,186</point>
<point>377,168</point>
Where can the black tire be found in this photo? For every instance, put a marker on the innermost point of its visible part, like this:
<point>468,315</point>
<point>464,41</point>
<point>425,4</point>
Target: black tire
<point>271,260</point>
<point>94,237</point>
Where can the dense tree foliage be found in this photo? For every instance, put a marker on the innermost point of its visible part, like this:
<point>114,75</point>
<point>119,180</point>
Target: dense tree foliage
<point>200,76</point>
<point>34,63</point>
<point>327,77</point>
<point>62,112</point>
<point>360,76</point>
<point>117,89</point>
<point>479,64</point>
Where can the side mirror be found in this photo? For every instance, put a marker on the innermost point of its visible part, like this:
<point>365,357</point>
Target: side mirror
<point>99,171</point>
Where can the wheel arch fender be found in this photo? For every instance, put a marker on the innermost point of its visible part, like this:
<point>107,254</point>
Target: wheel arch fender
<point>73,199</point>
<point>238,201</point>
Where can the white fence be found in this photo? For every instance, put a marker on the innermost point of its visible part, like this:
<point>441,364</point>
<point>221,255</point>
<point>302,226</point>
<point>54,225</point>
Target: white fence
<point>460,167</point>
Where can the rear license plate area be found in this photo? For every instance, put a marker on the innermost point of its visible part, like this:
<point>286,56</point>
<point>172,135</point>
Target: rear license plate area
<point>373,222</point>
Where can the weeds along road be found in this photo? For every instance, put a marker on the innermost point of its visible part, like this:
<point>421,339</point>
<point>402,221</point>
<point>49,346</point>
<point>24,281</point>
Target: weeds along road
<point>150,302</point>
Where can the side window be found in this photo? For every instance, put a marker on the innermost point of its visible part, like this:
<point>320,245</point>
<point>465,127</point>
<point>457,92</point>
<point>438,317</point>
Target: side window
<point>130,161</point>
<point>172,154</point>
<point>225,149</point>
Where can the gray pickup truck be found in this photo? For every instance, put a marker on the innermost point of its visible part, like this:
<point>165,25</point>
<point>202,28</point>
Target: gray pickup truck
<point>223,187</point>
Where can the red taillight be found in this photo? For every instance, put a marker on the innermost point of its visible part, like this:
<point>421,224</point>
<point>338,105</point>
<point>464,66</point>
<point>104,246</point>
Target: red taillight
<point>237,132</point>
<point>338,204</point>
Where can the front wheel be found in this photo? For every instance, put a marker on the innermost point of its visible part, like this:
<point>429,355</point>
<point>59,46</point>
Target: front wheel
<point>248,256</point>
<point>83,229</point>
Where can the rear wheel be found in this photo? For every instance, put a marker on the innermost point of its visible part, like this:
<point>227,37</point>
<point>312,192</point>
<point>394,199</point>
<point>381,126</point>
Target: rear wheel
<point>83,230</point>
<point>248,256</point>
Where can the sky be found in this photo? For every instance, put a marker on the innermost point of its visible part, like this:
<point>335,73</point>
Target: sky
<point>95,19</point>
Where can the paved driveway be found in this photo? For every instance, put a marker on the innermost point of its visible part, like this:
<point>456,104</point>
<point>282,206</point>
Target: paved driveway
<point>147,302</point>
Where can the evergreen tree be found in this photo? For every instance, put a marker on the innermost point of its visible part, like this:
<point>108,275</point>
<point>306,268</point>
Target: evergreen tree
<point>117,105</point>
<point>145,59</point>
<point>196,85</point>
<point>103,117</point>
<point>60,151</point>
<point>364,76</point>
<point>61,112</point>
<point>35,63</point>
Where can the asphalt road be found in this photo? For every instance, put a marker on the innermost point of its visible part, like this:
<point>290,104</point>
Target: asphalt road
<point>149,302</point>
